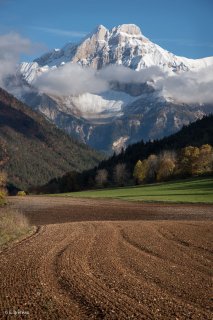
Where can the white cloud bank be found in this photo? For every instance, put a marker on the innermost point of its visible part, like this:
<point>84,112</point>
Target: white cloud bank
<point>189,87</point>
<point>70,79</point>
<point>73,79</point>
<point>127,75</point>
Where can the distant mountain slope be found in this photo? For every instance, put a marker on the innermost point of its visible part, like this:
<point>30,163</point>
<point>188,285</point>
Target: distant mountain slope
<point>146,117</point>
<point>32,150</point>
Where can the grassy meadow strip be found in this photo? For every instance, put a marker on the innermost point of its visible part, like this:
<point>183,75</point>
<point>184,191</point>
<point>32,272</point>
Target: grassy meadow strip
<point>197,190</point>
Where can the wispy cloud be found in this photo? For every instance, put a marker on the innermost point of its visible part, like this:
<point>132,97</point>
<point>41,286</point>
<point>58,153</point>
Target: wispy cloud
<point>11,46</point>
<point>189,87</point>
<point>71,79</point>
<point>185,42</point>
<point>61,32</point>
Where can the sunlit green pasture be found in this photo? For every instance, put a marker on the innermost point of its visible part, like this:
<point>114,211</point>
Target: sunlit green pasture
<point>197,190</point>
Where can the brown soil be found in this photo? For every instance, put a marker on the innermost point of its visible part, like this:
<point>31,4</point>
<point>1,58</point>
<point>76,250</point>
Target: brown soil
<point>97,259</point>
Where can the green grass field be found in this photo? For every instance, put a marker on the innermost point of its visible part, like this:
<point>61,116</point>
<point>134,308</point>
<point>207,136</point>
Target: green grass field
<point>197,190</point>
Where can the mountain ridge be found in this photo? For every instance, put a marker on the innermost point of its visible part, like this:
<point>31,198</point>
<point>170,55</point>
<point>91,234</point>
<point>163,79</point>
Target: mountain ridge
<point>32,150</point>
<point>99,49</point>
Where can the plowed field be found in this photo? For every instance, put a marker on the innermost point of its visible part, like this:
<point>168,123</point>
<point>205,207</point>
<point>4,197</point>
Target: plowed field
<point>96,259</point>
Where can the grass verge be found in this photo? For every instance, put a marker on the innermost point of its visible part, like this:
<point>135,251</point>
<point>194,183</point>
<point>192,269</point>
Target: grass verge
<point>197,190</point>
<point>13,225</point>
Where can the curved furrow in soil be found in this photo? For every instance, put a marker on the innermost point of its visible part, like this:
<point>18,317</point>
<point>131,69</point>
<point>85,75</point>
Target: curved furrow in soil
<point>162,268</point>
<point>139,276</point>
<point>61,238</point>
<point>129,284</point>
<point>191,236</point>
<point>27,279</point>
<point>82,284</point>
<point>104,263</point>
<point>200,256</point>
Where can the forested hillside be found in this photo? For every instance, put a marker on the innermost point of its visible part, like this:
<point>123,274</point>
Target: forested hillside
<point>120,169</point>
<point>195,134</point>
<point>32,150</point>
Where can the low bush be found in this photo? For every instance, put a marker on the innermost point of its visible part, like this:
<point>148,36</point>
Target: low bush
<point>3,194</point>
<point>21,193</point>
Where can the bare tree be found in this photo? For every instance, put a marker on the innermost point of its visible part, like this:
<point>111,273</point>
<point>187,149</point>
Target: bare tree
<point>101,177</point>
<point>152,167</point>
<point>120,174</point>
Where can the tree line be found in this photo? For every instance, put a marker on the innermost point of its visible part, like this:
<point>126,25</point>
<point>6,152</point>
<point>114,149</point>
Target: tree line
<point>189,161</point>
<point>167,165</point>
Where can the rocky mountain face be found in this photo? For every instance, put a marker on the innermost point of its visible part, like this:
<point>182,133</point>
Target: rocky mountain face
<point>127,111</point>
<point>123,45</point>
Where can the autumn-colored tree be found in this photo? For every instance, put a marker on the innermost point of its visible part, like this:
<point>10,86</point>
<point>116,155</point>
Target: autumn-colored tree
<point>166,165</point>
<point>120,174</point>
<point>101,177</point>
<point>167,162</point>
<point>140,171</point>
<point>189,160</point>
<point>204,163</point>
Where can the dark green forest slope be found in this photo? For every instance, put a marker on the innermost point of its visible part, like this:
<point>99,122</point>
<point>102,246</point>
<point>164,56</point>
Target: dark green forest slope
<point>32,150</point>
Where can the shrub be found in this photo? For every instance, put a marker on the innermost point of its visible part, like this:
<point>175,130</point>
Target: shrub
<point>3,178</point>
<point>3,193</point>
<point>21,193</point>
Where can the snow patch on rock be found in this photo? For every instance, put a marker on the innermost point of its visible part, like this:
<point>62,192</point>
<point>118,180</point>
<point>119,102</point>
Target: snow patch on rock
<point>120,144</point>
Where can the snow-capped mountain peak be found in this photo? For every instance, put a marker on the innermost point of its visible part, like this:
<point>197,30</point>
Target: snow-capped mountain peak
<point>99,30</point>
<point>130,29</point>
<point>127,110</point>
<point>122,45</point>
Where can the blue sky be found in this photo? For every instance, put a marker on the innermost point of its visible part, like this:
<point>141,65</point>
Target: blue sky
<point>184,27</point>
